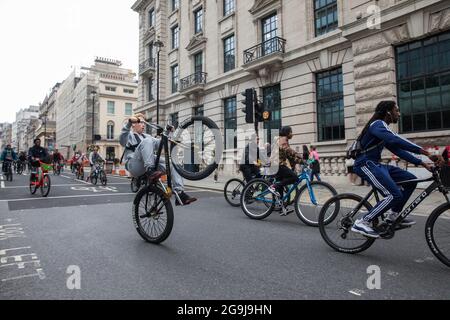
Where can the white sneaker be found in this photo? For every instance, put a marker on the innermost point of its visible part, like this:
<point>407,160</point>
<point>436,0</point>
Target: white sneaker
<point>364,228</point>
<point>274,191</point>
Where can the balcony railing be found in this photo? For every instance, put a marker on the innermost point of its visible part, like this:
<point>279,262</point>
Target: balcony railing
<point>147,64</point>
<point>268,47</point>
<point>198,78</point>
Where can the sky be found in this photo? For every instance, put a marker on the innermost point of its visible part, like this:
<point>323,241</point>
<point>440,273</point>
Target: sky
<point>42,41</point>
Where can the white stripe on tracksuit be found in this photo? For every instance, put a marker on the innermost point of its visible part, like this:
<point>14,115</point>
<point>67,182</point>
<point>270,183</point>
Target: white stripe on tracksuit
<point>385,202</point>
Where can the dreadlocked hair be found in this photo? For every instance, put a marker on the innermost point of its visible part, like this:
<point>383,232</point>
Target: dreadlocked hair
<point>380,114</point>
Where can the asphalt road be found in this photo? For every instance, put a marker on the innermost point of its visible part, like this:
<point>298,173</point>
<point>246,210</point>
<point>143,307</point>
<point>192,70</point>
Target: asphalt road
<point>214,252</point>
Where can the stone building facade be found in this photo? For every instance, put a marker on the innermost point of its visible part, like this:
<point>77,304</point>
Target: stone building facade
<point>95,101</point>
<point>320,66</point>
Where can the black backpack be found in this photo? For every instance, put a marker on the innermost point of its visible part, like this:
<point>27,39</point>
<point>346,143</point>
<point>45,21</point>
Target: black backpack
<point>355,149</point>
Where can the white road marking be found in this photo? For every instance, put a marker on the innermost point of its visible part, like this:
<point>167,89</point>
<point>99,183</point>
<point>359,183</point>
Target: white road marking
<point>356,292</point>
<point>77,179</point>
<point>2,183</point>
<point>39,274</point>
<point>69,185</point>
<point>68,197</point>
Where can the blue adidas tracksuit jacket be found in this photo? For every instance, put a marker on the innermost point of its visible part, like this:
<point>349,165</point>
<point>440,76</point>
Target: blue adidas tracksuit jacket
<point>384,177</point>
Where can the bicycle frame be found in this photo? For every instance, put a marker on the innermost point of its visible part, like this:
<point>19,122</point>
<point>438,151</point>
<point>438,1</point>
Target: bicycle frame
<point>414,204</point>
<point>302,176</point>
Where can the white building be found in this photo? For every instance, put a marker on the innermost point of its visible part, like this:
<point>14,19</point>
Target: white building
<point>320,66</point>
<point>21,134</point>
<point>112,91</point>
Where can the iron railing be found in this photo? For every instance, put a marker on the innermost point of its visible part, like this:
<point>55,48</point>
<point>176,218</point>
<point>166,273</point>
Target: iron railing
<point>193,80</point>
<point>268,47</point>
<point>147,64</point>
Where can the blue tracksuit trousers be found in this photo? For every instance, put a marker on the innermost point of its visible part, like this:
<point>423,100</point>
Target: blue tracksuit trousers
<point>384,178</point>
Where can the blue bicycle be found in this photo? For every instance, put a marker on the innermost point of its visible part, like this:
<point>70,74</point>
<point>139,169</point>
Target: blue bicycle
<point>258,202</point>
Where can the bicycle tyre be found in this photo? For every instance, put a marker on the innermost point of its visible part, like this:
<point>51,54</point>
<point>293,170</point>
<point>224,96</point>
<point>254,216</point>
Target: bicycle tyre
<point>245,200</point>
<point>103,178</point>
<point>322,225</point>
<point>45,188</point>
<point>230,193</point>
<point>430,234</point>
<point>159,195</point>
<point>94,179</point>
<point>209,168</point>
<point>135,185</point>
<point>301,215</point>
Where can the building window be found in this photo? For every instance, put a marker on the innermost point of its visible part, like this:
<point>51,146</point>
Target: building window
<point>228,7</point>
<point>150,92</point>
<point>129,91</point>
<point>109,88</point>
<point>423,84</point>
<point>110,153</point>
<point>175,37</point>
<point>198,63</point>
<point>272,103</point>
<point>110,131</point>
<point>175,78</point>
<point>198,20</point>
<point>198,111</point>
<point>269,32</point>
<point>174,120</point>
<point>111,107</point>
<point>175,4</point>
<point>330,105</point>
<point>326,19</point>
<point>151,17</point>
<point>230,122</point>
<point>151,51</point>
<point>128,109</point>
<point>229,53</point>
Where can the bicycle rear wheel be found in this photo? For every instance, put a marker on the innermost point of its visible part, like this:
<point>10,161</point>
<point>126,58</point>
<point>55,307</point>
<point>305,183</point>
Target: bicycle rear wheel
<point>257,201</point>
<point>152,214</point>
<point>232,192</point>
<point>437,233</point>
<point>46,185</point>
<point>135,185</point>
<point>200,149</point>
<point>93,178</point>
<point>309,202</point>
<point>337,232</point>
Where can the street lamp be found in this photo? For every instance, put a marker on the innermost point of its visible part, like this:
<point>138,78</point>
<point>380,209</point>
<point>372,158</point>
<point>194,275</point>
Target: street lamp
<point>159,45</point>
<point>94,93</point>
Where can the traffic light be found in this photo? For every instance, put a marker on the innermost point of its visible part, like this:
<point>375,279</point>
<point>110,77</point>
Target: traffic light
<point>249,105</point>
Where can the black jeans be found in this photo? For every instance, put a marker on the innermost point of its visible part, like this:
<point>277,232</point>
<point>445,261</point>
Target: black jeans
<point>250,172</point>
<point>285,177</point>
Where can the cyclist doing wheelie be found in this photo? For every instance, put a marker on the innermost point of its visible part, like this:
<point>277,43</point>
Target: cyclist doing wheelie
<point>139,155</point>
<point>375,136</point>
<point>288,159</point>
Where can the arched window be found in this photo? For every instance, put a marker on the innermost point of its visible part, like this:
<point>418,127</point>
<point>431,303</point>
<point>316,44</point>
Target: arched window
<point>110,130</point>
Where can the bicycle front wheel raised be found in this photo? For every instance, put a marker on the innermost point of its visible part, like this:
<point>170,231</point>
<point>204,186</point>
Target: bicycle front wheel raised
<point>437,233</point>
<point>257,201</point>
<point>310,200</point>
<point>199,149</point>
<point>232,192</point>
<point>152,214</point>
<point>335,227</point>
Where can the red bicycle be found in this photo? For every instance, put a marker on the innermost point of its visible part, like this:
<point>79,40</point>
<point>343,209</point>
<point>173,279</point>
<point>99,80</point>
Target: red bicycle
<point>40,179</point>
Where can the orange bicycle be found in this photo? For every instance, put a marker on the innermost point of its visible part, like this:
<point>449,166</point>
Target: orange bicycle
<point>40,179</point>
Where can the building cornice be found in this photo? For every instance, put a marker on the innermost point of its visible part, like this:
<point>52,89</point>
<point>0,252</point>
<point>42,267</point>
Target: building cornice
<point>139,5</point>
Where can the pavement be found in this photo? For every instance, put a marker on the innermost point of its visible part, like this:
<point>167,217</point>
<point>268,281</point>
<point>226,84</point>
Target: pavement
<point>80,243</point>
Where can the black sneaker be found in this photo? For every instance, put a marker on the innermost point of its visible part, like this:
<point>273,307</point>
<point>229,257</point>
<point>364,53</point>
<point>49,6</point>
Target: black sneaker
<point>185,199</point>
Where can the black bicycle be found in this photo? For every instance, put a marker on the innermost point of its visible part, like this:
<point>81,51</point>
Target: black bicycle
<point>193,148</point>
<point>138,183</point>
<point>335,225</point>
<point>98,173</point>
<point>21,165</point>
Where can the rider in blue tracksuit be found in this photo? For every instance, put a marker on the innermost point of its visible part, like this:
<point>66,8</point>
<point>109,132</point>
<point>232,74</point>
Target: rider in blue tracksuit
<point>374,138</point>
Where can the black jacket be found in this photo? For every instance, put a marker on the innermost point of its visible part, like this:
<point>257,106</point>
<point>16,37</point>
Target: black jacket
<point>38,152</point>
